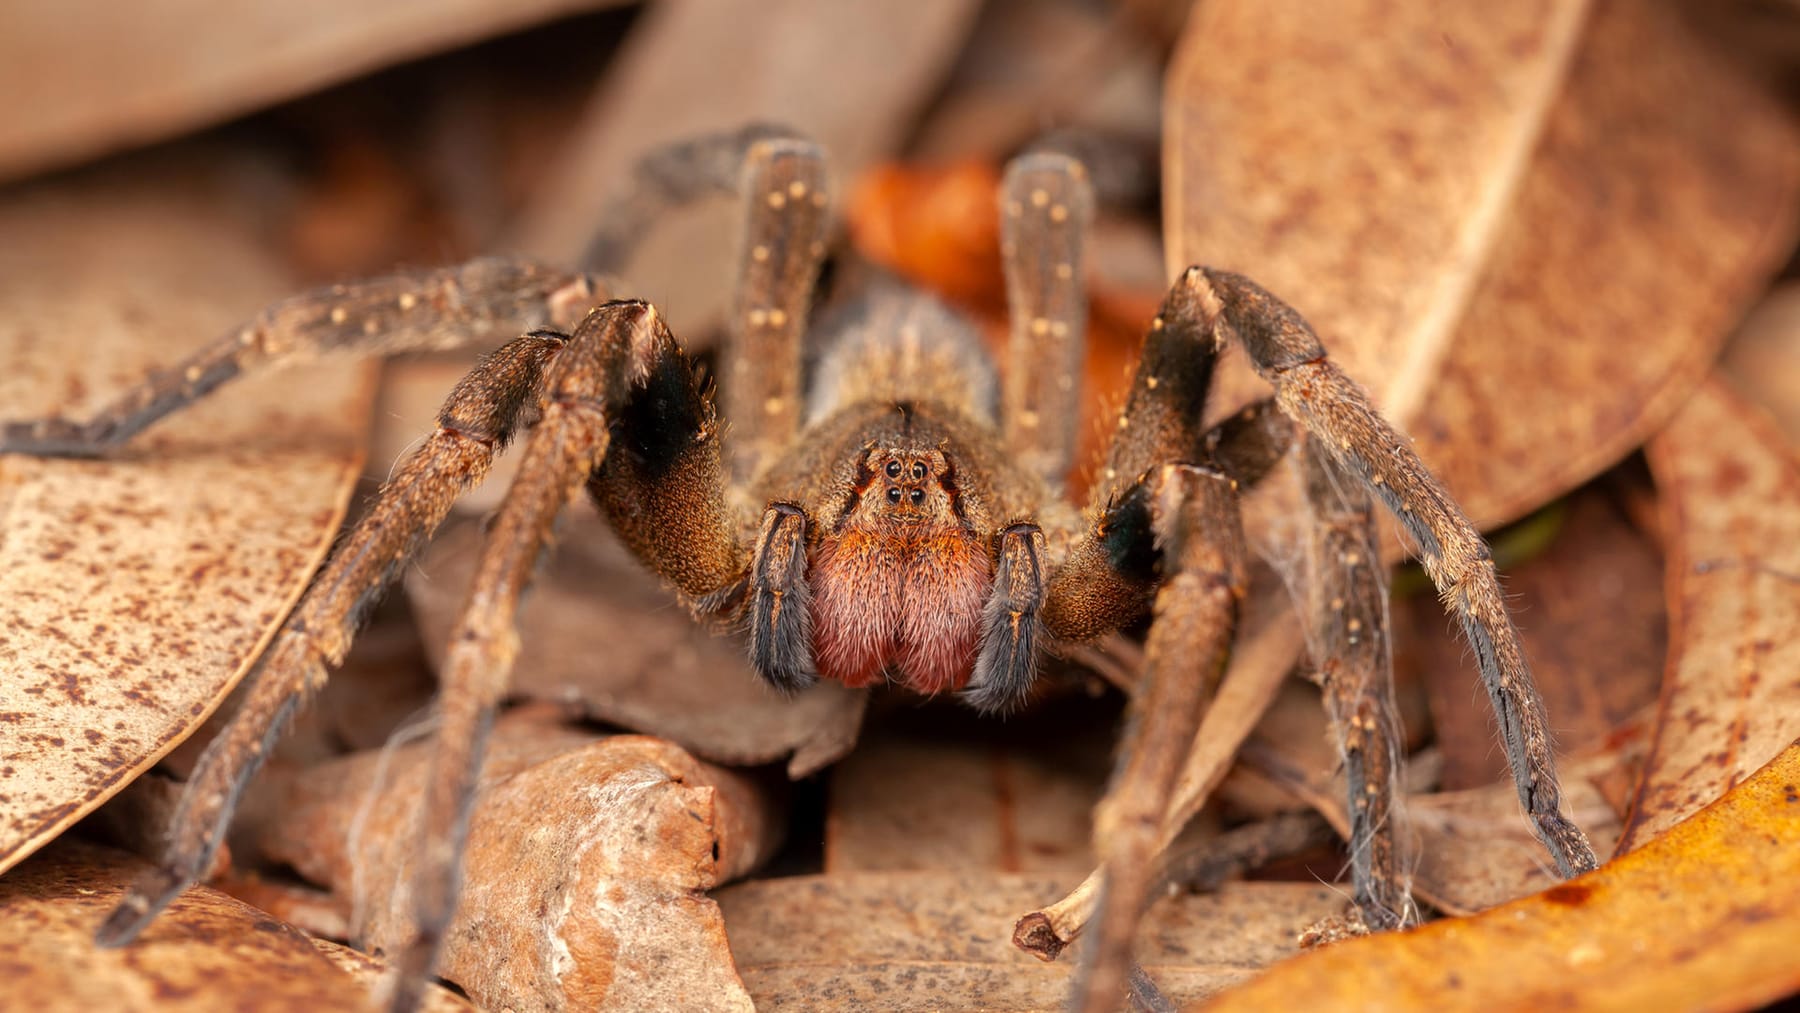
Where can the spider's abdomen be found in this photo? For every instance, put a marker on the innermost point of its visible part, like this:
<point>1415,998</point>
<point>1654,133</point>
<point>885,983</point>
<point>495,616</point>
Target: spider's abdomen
<point>900,598</point>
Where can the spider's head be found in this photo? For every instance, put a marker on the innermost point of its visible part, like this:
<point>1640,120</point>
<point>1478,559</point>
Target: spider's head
<point>905,485</point>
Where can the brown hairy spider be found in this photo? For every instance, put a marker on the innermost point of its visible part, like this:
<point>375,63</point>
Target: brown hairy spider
<point>898,518</point>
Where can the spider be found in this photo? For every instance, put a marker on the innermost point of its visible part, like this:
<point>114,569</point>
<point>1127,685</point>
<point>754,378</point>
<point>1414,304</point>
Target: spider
<point>900,518</point>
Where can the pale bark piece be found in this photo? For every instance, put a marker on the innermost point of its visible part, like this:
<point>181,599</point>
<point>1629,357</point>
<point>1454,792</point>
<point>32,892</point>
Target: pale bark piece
<point>600,634</point>
<point>850,75</point>
<point>1704,917</point>
<point>206,952</point>
<point>373,975</point>
<point>85,78</point>
<point>136,590</point>
<point>584,875</point>
<point>930,941</point>
<point>1591,614</point>
<point>1730,492</point>
<point>1012,798</point>
<point>1471,204</point>
<point>1763,358</point>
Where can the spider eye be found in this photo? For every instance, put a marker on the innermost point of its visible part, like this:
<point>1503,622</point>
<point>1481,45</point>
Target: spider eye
<point>918,496</point>
<point>893,469</point>
<point>893,495</point>
<point>919,470</point>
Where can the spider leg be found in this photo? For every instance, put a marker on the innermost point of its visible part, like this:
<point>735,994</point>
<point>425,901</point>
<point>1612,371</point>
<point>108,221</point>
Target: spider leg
<point>477,420</point>
<point>1047,204</point>
<point>666,178</point>
<point>480,302</point>
<point>1348,588</point>
<point>1336,412</point>
<point>612,351</point>
<point>1109,575</point>
<point>787,206</point>
<point>1194,519</point>
<point>1011,623</point>
<point>781,601</point>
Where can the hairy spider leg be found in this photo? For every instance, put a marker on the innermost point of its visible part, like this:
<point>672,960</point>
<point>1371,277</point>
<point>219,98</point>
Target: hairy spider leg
<point>616,355</point>
<point>1338,414</point>
<point>1046,206</point>
<point>788,211</point>
<point>1347,601</point>
<point>478,304</point>
<point>1193,517</point>
<point>478,419</point>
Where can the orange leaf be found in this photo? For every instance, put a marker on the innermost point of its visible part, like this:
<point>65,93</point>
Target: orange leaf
<point>1704,917</point>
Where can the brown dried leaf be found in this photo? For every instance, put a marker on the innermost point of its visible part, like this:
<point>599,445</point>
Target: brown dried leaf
<point>1763,358</point>
<point>1704,917</point>
<point>851,76</point>
<point>1015,799</point>
<point>584,873</point>
<point>82,79</point>
<point>601,634</point>
<point>206,952</point>
<point>1590,611</point>
<point>930,941</point>
<point>1407,175</point>
<point>229,506</point>
<point>1730,488</point>
<point>1358,159</point>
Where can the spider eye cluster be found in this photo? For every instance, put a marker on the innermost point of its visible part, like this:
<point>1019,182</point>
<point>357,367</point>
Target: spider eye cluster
<point>908,472</point>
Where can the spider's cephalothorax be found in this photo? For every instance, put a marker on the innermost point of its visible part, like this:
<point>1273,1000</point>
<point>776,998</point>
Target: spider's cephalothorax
<point>899,516</point>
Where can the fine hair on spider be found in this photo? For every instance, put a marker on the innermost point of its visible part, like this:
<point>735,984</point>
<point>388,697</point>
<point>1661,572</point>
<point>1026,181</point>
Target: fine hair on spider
<point>901,518</point>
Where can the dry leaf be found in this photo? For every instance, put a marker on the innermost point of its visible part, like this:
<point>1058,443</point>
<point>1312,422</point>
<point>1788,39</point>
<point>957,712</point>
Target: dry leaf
<point>939,795</point>
<point>1763,358</point>
<point>1730,487</point>
<point>1703,917</point>
<point>83,79</point>
<point>135,590</point>
<point>584,873</point>
<point>207,952</point>
<point>600,634</point>
<point>1358,159</point>
<point>932,941</point>
<point>1490,186</point>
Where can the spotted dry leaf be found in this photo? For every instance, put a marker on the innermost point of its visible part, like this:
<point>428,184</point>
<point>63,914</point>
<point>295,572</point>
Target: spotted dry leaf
<point>600,634</point>
<point>584,876</point>
<point>207,952</point>
<point>135,590</point>
<point>942,940</point>
<point>1730,494</point>
<point>81,79</point>
<point>1490,189</point>
<point>1703,917</point>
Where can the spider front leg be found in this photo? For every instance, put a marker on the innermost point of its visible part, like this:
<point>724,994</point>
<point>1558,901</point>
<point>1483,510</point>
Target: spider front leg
<point>477,421</point>
<point>1347,588</point>
<point>620,356</point>
<point>478,303</point>
<point>1337,413</point>
<point>1193,518</point>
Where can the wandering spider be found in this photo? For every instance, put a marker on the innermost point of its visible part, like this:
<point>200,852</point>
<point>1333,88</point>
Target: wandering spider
<point>899,517</point>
